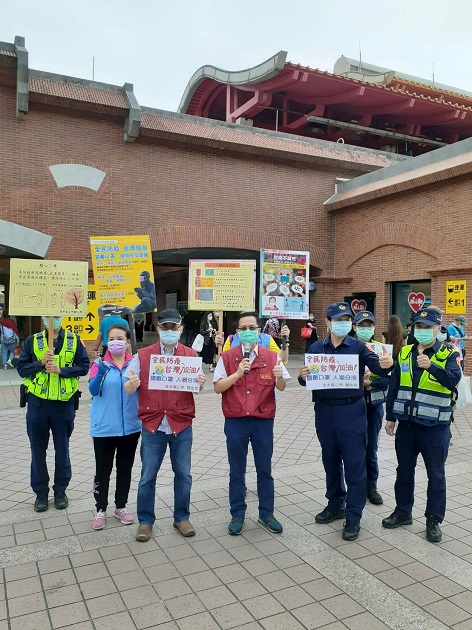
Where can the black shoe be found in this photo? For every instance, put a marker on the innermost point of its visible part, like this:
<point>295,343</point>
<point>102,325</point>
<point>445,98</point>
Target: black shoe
<point>374,497</point>
<point>61,501</point>
<point>329,515</point>
<point>351,530</point>
<point>397,520</point>
<point>41,504</point>
<point>433,531</point>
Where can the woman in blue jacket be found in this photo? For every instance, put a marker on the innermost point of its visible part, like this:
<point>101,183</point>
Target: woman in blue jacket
<point>114,426</point>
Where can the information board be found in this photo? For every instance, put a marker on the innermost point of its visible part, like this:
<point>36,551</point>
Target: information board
<point>284,283</point>
<point>123,271</point>
<point>456,297</point>
<point>174,373</point>
<point>332,371</point>
<point>86,327</point>
<point>48,287</point>
<point>222,285</point>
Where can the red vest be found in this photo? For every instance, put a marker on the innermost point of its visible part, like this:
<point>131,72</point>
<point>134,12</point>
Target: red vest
<point>179,407</point>
<point>252,394</point>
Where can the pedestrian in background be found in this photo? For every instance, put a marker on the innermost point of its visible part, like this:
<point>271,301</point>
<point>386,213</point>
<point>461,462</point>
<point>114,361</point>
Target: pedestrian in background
<point>51,369</point>
<point>208,329</point>
<point>9,339</point>
<point>419,398</point>
<point>310,323</point>
<point>458,335</point>
<point>114,426</point>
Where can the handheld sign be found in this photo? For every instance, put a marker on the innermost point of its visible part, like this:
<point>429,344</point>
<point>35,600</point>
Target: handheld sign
<point>284,284</point>
<point>329,371</point>
<point>174,373</point>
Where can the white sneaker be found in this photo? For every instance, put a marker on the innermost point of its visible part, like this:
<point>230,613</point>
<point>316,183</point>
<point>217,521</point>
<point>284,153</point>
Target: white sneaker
<point>10,363</point>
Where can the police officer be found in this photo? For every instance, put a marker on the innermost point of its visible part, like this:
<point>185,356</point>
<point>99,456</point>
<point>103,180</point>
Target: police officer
<point>375,389</point>
<point>341,424</point>
<point>51,369</point>
<point>419,397</point>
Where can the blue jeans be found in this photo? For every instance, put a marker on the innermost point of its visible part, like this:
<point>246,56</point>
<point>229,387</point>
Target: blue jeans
<point>374,424</point>
<point>8,353</point>
<point>260,432</point>
<point>42,417</point>
<point>153,449</point>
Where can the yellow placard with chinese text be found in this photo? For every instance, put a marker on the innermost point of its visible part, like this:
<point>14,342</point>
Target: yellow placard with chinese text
<point>48,287</point>
<point>123,272</point>
<point>222,285</point>
<point>86,327</point>
<point>456,296</point>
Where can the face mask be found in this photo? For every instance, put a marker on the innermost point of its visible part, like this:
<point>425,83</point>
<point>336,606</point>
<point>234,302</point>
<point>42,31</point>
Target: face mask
<point>364,333</point>
<point>248,336</point>
<point>210,317</point>
<point>424,336</point>
<point>56,322</point>
<point>312,317</point>
<point>117,347</point>
<point>341,329</point>
<point>441,337</point>
<point>169,337</point>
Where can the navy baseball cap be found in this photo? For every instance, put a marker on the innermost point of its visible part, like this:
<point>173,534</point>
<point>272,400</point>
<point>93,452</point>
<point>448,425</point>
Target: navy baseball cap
<point>169,316</point>
<point>429,316</point>
<point>364,316</point>
<point>338,309</point>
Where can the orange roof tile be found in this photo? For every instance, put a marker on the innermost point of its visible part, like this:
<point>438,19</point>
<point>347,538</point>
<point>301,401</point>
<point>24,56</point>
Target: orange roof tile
<point>77,92</point>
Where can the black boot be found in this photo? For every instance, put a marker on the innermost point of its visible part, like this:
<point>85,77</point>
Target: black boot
<point>328,515</point>
<point>61,501</point>
<point>433,531</point>
<point>41,504</point>
<point>397,520</point>
<point>351,530</point>
<point>374,496</point>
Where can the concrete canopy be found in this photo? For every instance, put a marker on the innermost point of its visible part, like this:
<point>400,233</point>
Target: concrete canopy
<point>17,241</point>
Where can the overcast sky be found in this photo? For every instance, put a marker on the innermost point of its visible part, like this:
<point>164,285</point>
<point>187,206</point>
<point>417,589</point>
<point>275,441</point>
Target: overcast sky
<point>157,45</point>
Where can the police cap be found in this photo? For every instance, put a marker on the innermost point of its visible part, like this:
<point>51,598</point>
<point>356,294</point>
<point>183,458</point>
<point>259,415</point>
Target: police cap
<point>364,316</point>
<point>338,309</point>
<point>429,316</point>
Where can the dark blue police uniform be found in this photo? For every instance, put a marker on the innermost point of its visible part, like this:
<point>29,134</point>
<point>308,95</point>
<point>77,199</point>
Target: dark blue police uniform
<point>413,437</point>
<point>45,415</point>
<point>341,426</point>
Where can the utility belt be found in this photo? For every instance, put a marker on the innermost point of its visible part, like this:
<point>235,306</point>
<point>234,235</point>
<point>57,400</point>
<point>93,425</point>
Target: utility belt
<point>375,397</point>
<point>24,397</point>
<point>338,401</point>
<point>423,413</point>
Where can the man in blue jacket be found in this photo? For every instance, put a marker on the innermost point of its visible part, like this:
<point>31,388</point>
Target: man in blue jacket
<point>341,423</point>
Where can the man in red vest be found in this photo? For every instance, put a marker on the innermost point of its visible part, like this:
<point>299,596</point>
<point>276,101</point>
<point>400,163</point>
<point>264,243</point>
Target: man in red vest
<point>246,376</point>
<point>167,420</point>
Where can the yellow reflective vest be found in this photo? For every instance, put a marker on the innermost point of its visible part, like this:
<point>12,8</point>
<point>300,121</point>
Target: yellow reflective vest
<point>53,386</point>
<point>430,403</point>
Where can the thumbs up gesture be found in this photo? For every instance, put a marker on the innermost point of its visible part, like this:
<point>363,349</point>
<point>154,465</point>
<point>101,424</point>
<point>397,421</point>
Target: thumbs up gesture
<point>423,361</point>
<point>385,360</point>
<point>277,371</point>
<point>133,381</point>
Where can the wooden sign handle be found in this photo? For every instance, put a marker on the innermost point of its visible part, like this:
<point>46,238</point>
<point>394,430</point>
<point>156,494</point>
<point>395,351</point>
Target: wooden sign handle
<point>50,333</point>
<point>220,330</point>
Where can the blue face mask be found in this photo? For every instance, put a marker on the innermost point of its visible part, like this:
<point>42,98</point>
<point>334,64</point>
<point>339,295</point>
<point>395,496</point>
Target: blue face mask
<point>341,329</point>
<point>169,337</point>
<point>56,322</point>
<point>441,337</point>
<point>364,333</point>
<point>424,336</point>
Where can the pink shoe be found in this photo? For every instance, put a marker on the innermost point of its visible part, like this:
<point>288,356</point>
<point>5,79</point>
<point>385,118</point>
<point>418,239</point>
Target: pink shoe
<point>100,520</point>
<point>125,517</point>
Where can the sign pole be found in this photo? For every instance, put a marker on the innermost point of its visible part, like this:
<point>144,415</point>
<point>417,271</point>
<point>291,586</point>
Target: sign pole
<point>132,334</point>
<point>284,338</point>
<point>220,330</point>
<point>50,333</point>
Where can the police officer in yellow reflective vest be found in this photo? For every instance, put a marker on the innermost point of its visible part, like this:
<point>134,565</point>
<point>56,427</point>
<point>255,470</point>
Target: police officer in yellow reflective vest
<point>419,397</point>
<point>51,378</point>
<point>375,392</point>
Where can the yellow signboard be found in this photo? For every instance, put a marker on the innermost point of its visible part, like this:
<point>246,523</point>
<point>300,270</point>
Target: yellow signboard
<point>86,327</point>
<point>124,277</point>
<point>48,287</point>
<point>222,285</point>
<point>456,296</point>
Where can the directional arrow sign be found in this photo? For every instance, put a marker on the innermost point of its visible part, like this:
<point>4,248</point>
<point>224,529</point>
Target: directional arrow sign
<point>456,297</point>
<point>86,327</point>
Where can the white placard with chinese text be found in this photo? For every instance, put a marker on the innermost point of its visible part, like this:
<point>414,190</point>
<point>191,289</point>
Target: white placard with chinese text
<point>174,373</point>
<point>332,371</point>
<point>378,348</point>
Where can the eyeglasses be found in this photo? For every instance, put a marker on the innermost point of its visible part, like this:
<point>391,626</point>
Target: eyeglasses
<point>249,328</point>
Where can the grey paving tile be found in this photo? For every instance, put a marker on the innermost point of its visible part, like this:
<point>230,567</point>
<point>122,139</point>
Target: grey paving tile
<point>22,587</point>
<point>218,559</point>
<point>313,616</point>
<point>246,589</point>
<point>419,571</point>
<point>184,606</point>
<point>68,615</point>
<point>58,579</point>
<point>97,588</point>
<point>463,600</point>
<point>53,565</point>
<point>21,571</point>
<point>232,616</point>
<point>419,594</point>
<point>161,572</point>
<point>282,621</point>
<point>105,605</point>
<point>302,573</point>
<point>264,606</point>
<point>169,588</point>
<point>140,596</point>
<point>293,597</point>
<point>447,612</point>
<point>395,578</point>
<point>190,565</point>
<point>342,606</point>
<point>151,616</point>
<point>34,621</point>
<point>63,595</point>
<point>85,558</point>
<point>27,604</point>
<point>321,589</point>
<point>91,572</point>
<point>259,566</point>
<point>151,558</point>
<point>285,559</point>
<point>443,586</point>
<point>363,621</point>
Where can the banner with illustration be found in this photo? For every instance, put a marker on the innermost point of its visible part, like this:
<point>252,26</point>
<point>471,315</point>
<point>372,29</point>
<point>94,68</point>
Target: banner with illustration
<point>284,284</point>
<point>123,271</point>
<point>174,373</point>
<point>221,285</point>
<point>327,371</point>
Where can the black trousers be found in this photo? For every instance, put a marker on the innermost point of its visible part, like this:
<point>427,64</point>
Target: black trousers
<point>105,448</point>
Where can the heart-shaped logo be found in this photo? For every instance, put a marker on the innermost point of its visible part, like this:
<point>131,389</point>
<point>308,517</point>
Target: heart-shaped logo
<point>358,305</point>
<point>416,301</point>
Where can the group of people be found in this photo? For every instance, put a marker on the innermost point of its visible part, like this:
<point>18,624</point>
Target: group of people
<point>416,383</point>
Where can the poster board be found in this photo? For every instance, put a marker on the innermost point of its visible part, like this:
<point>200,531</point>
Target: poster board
<point>284,284</point>
<point>48,288</point>
<point>222,285</point>
<point>174,373</point>
<point>87,327</point>
<point>329,371</point>
<point>123,272</point>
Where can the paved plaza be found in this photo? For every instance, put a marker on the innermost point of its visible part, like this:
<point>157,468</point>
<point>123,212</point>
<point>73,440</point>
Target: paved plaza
<point>58,573</point>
